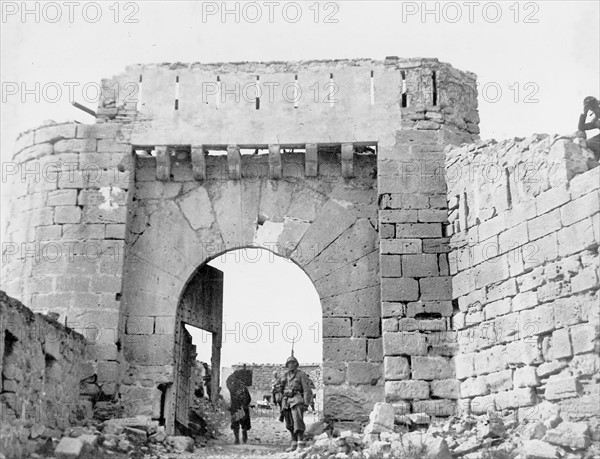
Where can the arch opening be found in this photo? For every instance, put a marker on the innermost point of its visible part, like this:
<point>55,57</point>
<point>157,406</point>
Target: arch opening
<point>244,307</point>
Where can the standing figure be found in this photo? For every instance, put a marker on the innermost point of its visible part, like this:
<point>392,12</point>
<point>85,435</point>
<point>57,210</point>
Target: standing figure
<point>277,389</point>
<point>590,104</point>
<point>207,378</point>
<point>297,396</point>
<point>240,406</point>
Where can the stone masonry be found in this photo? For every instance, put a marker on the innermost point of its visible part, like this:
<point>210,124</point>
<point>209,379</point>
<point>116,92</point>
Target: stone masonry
<point>41,367</point>
<point>110,222</point>
<point>525,229</point>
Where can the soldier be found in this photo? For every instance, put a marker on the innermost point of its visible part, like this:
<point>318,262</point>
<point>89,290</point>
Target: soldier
<point>297,396</point>
<point>240,405</point>
<point>590,105</point>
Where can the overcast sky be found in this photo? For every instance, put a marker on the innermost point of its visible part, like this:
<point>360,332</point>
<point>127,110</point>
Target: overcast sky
<point>535,61</point>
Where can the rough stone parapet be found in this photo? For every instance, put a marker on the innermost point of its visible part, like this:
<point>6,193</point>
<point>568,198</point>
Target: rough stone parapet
<point>525,271</point>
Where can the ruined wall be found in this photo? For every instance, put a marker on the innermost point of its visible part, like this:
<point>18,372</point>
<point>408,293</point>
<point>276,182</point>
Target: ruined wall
<point>418,342</point>
<point>41,367</point>
<point>65,236</point>
<point>367,229</point>
<point>525,231</point>
<point>325,224</point>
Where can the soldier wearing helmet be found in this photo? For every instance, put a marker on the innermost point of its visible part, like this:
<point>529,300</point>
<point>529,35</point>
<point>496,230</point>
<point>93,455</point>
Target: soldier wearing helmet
<point>297,396</point>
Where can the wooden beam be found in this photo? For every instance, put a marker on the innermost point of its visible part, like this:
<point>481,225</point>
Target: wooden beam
<point>311,160</point>
<point>347,160</point>
<point>234,162</point>
<point>198,162</point>
<point>275,162</point>
<point>163,163</point>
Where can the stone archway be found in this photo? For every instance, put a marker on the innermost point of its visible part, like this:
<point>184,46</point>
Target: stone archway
<point>326,224</point>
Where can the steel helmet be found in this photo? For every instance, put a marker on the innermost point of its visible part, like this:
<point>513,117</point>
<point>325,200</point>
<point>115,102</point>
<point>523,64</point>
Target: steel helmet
<point>291,358</point>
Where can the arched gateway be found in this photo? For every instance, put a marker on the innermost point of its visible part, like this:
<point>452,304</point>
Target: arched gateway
<point>350,188</point>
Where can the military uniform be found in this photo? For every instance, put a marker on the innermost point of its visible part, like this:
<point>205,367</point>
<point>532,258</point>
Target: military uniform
<point>297,396</point>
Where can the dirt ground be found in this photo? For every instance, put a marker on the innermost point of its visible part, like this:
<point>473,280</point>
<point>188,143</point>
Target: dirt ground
<point>268,438</point>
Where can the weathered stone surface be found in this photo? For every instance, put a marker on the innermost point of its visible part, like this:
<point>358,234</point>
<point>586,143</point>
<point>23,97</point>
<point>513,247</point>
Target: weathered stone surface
<point>569,434</point>
<point>381,419</point>
<point>69,448</point>
<point>537,449</point>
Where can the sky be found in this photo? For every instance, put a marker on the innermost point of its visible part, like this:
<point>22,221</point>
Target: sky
<point>535,62</point>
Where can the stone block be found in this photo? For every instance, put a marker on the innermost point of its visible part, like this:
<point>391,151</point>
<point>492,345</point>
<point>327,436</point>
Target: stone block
<point>580,208</point>
<point>337,327</point>
<point>585,280</point>
<point>420,265</point>
<point>537,320</point>
<point>364,373</point>
<point>436,288</point>
<point>445,388</point>
<point>164,325</point>
<point>491,271</point>
<point>67,214</point>
<point>401,246</point>
<point>419,230</point>
<point>54,133</point>
<point>502,290</point>
<point>406,390</point>
<point>437,408</point>
<point>432,216</point>
<point>492,227</point>
<point>68,448</point>
<point>375,349</point>
<point>48,233</point>
<point>559,387</point>
<point>432,367</point>
<point>483,404</point>
<point>334,373</point>
<point>441,245</point>
<point>464,365</point>
<point>62,198</point>
<point>474,387</point>
<point>112,146</point>
<point>551,199</point>
<point>497,308</point>
<point>522,352</point>
<point>366,327</point>
<point>583,183</point>
<point>585,338</point>
<point>83,231</point>
<point>500,380</point>
<point>404,343</point>
<point>396,368</point>
<point>576,237</point>
<point>381,419</point>
<point>560,345</point>
<point>516,398</point>
<point>399,289</point>
<point>390,324</point>
<point>524,300</point>
<point>345,349</point>
<point>115,231</point>
<point>397,216</point>
<point>575,435</point>
<point>98,130</point>
<point>387,231</point>
<point>538,449</point>
<point>391,266</point>
<point>525,377</point>
<point>74,146</point>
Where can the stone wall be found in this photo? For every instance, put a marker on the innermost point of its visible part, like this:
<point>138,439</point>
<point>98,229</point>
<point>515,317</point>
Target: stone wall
<point>418,342</point>
<point>525,229</point>
<point>367,229</point>
<point>41,369</point>
<point>65,236</point>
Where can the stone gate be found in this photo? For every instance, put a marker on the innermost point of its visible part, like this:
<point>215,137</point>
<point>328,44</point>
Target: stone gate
<point>122,216</point>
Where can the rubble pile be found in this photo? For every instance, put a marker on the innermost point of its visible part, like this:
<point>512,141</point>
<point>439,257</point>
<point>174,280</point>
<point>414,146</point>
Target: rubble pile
<point>541,434</point>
